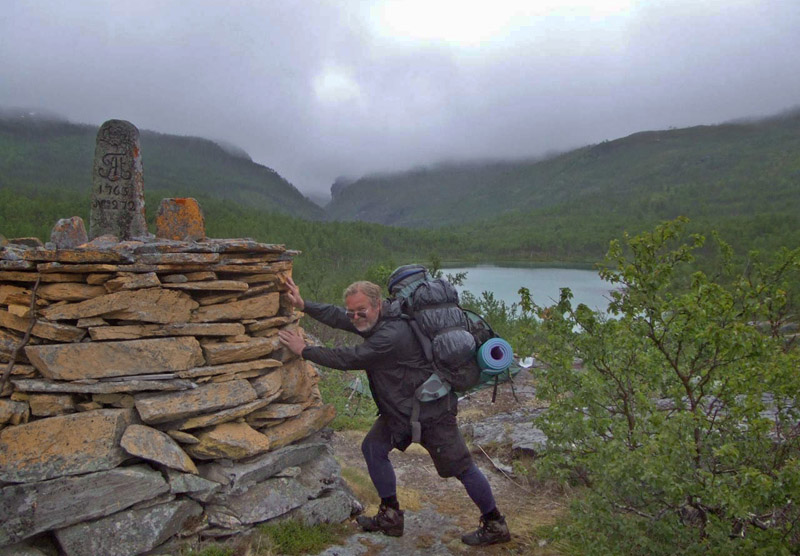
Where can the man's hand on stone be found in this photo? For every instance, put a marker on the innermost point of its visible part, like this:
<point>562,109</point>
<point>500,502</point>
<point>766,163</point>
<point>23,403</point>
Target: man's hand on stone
<point>293,340</point>
<point>293,293</point>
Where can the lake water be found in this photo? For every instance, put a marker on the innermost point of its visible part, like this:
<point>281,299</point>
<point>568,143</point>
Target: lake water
<point>543,283</point>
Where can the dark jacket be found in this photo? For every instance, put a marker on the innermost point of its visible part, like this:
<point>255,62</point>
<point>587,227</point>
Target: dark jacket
<point>391,356</point>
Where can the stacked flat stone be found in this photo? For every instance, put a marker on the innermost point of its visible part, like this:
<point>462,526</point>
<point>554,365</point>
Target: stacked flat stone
<point>152,399</point>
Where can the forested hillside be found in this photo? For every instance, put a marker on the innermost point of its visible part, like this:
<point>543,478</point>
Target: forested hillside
<point>740,179</point>
<point>737,169</point>
<point>42,157</point>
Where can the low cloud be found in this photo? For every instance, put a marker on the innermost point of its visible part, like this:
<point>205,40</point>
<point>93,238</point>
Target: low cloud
<point>323,89</point>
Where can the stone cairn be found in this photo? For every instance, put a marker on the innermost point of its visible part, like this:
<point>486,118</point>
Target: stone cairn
<point>145,400</point>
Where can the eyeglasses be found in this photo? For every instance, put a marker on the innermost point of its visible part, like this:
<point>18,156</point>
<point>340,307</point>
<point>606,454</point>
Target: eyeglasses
<point>353,314</point>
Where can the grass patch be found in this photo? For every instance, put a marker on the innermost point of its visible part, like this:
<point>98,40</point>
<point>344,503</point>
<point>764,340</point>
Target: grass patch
<point>355,409</point>
<point>361,485</point>
<point>293,537</point>
<point>410,499</point>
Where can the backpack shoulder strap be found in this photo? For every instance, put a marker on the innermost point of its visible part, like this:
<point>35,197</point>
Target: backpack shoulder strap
<point>424,342</point>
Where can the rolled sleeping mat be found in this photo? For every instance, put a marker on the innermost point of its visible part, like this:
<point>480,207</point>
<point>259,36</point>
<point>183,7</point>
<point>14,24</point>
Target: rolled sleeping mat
<point>495,355</point>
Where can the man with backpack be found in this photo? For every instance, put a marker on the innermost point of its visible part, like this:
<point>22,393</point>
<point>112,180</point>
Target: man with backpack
<point>396,367</point>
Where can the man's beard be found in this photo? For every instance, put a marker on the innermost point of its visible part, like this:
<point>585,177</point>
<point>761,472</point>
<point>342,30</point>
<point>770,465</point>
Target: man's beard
<point>365,326</point>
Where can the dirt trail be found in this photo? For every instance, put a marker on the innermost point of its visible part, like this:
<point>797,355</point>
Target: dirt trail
<point>438,511</point>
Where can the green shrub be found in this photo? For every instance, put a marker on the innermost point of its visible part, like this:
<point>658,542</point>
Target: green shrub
<point>516,323</point>
<point>682,420</point>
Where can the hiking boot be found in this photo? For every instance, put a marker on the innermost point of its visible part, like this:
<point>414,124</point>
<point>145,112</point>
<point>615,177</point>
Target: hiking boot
<point>491,531</point>
<point>388,521</point>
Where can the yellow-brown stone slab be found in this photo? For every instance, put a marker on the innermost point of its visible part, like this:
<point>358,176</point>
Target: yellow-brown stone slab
<point>70,291</point>
<point>164,268</point>
<point>268,385</point>
<point>10,276</point>
<point>128,281</point>
<point>254,291</point>
<point>215,298</point>
<point>235,376</point>
<point>183,437</point>
<point>254,308</point>
<point>42,329</point>
<point>153,445</point>
<point>7,290</point>
<point>299,378</point>
<point>178,258</point>
<point>172,406</point>
<point>218,353</point>
<point>13,412</point>
<point>83,268</point>
<point>25,371</point>
<point>65,445</point>
<point>116,399</point>
<point>218,417</point>
<point>258,268</point>
<point>200,276</point>
<point>24,300</point>
<point>280,410</point>
<point>308,422</point>
<point>48,405</point>
<point>229,440</point>
<point>110,359</point>
<point>91,321</point>
<point>8,344</point>
<point>273,322</point>
<point>149,305</point>
<point>98,279</point>
<point>216,285</point>
<point>88,406</point>
<point>271,278</point>
<point>22,311</point>
<point>73,256</point>
<point>230,368</point>
<point>135,331</point>
<point>243,258</point>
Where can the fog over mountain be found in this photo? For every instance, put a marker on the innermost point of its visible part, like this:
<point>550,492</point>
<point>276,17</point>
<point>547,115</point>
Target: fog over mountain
<point>323,89</point>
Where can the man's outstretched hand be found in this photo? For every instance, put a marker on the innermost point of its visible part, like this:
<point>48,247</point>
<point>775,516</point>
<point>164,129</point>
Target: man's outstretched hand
<point>293,340</point>
<point>293,292</point>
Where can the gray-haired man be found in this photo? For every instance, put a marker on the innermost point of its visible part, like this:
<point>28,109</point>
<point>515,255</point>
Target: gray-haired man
<point>396,367</point>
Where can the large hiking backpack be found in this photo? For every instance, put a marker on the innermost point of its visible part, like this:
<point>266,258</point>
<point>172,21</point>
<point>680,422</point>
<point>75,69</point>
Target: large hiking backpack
<point>448,334</point>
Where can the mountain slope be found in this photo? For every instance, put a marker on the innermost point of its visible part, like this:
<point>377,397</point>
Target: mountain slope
<point>738,168</point>
<point>42,156</point>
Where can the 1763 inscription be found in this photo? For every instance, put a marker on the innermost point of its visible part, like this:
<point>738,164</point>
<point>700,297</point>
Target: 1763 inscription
<point>117,183</point>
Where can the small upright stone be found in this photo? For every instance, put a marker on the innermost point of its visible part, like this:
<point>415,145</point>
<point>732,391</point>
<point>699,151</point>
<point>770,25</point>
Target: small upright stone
<point>181,220</point>
<point>69,233</point>
<point>117,183</point>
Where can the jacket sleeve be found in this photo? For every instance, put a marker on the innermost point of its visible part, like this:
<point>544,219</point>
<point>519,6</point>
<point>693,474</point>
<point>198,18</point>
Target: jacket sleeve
<point>376,348</point>
<point>330,315</point>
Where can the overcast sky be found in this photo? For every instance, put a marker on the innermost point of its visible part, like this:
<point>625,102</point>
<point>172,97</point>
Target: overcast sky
<point>319,89</point>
